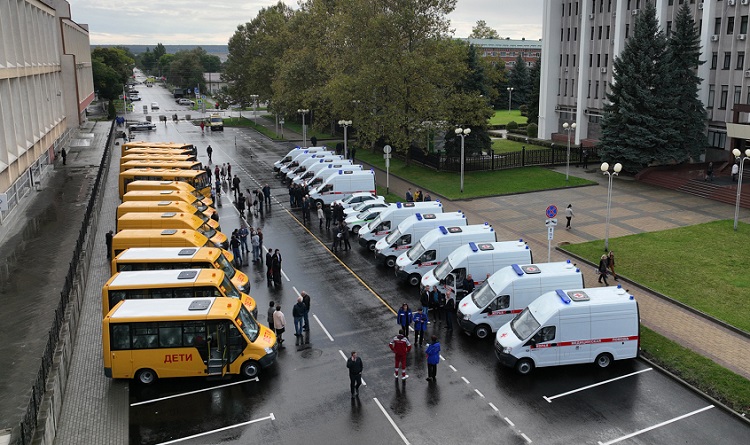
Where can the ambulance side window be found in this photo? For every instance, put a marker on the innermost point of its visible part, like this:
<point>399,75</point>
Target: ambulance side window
<point>327,188</point>
<point>385,225</point>
<point>405,240</point>
<point>545,335</point>
<point>499,303</point>
<point>460,274</point>
<point>428,256</point>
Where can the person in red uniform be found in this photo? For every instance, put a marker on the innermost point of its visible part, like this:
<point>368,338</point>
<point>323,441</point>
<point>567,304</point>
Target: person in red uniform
<point>400,345</point>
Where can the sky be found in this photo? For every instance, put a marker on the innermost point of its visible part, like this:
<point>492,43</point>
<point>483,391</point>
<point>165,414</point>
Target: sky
<point>202,22</point>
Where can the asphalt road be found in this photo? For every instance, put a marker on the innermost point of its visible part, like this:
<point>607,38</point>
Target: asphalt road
<point>305,396</point>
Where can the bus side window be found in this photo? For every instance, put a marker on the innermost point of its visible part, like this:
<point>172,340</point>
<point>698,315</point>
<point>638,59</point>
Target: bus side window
<point>145,336</point>
<point>184,292</point>
<point>206,292</point>
<point>169,335</point>
<point>120,337</point>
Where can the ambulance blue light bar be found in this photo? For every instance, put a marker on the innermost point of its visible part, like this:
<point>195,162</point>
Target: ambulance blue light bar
<point>517,269</point>
<point>419,217</point>
<point>473,247</point>
<point>563,296</point>
<point>443,230</point>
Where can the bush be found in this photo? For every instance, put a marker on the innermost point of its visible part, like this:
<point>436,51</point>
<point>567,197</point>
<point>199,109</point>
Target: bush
<point>512,125</point>
<point>524,109</point>
<point>111,112</point>
<point>532,130</point>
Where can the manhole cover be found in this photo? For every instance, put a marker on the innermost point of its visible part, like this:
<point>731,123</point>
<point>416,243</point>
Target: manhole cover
<point>311,353</point>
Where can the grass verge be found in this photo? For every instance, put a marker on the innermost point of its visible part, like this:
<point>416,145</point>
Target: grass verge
<point>720,383</point>
<point>502,117</point>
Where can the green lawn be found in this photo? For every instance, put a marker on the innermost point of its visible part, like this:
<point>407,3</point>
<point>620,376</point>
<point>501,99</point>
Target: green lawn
<point>502,117</point>
<point>476,184</point>
<point>297,128</point>
<point>703,266</point>
<point>249,123</point>
<point>506,146</point>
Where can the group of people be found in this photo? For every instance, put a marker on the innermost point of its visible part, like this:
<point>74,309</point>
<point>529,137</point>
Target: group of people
<point>273,267</point>
<point>300,312</point>
<point>238,244</point>
<point>607,266</point>
<point>417,196</point>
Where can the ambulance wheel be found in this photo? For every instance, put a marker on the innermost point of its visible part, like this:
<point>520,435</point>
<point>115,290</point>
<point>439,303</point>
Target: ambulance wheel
<point>603,360</point>
<point>414,279</point>
<point>371,246</point>
<point>390,261</point>
<point>525,366</point>
<point>250,369</point>
<point>146,376</point>
<point>482,331</point>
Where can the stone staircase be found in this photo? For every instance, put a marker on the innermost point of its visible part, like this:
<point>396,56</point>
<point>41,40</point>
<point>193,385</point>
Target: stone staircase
<point>689,179</point>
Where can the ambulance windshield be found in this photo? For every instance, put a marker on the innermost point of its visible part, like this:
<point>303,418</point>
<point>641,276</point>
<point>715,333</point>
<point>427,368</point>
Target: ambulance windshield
<point>393,236</point>
<point>443,269</point>
<point>524,324</point>
<point>483,295</point>
<point>416,251</point>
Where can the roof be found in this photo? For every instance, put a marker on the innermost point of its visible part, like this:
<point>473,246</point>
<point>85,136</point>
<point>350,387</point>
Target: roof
<point>159,253</point>
<point>162,277</point>
<point>154,309</point>
<point>505,43</point>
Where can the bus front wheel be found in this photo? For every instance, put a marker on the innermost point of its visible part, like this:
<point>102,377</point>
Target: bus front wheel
<point>146,376</point>
<point>250,369</point>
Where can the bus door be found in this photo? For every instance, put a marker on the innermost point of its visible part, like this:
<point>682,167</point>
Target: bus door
<point>120,350</point>
<point>218,347</point>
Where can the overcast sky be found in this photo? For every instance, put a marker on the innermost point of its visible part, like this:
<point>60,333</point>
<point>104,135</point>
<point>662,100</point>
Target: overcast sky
<point>209,22</point>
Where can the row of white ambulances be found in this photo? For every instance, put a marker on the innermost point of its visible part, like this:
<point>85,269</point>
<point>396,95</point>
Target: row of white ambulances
<point>438,243</point>
<point>410,231</point>
<point>315,171</point>
<point>391,217</point>
<point>571,326</point>
<point>325,157</point>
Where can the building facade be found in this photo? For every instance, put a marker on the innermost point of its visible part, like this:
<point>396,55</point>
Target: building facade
<point>582,38</point>
<point>508,50</point>
<point>46,83</point>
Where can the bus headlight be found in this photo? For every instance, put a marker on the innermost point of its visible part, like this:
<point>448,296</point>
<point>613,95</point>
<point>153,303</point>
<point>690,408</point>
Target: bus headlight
<point>269,350</point>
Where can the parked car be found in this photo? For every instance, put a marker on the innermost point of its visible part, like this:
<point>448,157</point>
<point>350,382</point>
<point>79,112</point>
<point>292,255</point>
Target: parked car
<point>183,101</point>
<point>142,126</point>
<point>154,105</point>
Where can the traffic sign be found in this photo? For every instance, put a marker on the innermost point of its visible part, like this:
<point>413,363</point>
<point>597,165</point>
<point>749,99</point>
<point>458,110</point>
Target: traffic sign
<point>387,149</point>
<point>551,211</point>
<point>197,92</point>
<point>550,222</point>
<point>550,233</point>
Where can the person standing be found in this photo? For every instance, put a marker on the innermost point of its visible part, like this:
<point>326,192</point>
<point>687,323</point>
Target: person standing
<point>229,170</point>
<point>420,326</point>
<point>209,150</point>
<point>611,263</point>
<point>404,317</point>
<point>108,240</point>
<point>269,266</point>
<point>709,172</point>
<point>585,158</point>
<point>203,127</point>
<point>345,236</point>
<point>240,204</point>
<point>279,325</point>
<point>277,267</point>
<point>409,196</point>
<point>267,194</point>
<point>64,155</point>
<point>336,237</point>
<point>217,173</point>
<point>735,171</point>
<point>305,210</point>
<point>236,187</point>
<point>433,358</point>
<point>424,299</point>
<point>603,263</point>
<point>450,308</point>
<point>223,171</point>
<point>321,215</point>
<point>243,233</point>
<point>568,215</point>
<point>400,346</point>
<point>298,313</point>
<point>306,300</point>
<point>271,310</point>
<point>234,243</point>
<point>255,242</point>
<point>355,366</point>
<point>327,213</point>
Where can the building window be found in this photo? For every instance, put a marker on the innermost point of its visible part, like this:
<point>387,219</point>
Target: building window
<point>574,59</point>
<point>608,31</point>
<point>740,60</point>
<point>560,59</point>
<point>669,28</point>
<point>567,59</point>
<point>671,2</point>
<point>575,34</point>
<point>730,25</point>
<point>609,6</point>
<point>598,60</point>
<point>743,24</point>
<point>627,30</point>
<point>596,90</point>
<point>562,34</point>
<point>606,60</point>
<point>711,96</point>
<point>568,34</point>
<point>593,6</point>
<point>591,60</point>
<point>588,91</point>
<point>714,60</point>
<point>576,8</point>
<point>570,8</point>
<point>724,97</point>
<point>559,82</point>
<point>600,33</point>
<point>737,94</point>
<point>727,60</point>
<point>717,25</point>
<point>747,100</point>
<point>565,91</point>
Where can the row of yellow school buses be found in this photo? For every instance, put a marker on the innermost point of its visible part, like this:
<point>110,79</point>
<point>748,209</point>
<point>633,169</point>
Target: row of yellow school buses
<point>175,306</point>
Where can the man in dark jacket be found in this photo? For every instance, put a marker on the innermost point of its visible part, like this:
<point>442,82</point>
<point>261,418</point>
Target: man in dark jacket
<point>298,312</point>
<point>269,261</point>
<point>355,373</point>
<point>306,301</point>
<point>433,358</point>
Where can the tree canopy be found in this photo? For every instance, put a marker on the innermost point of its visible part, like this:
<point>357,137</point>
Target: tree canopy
<point>111,67</point>
<point>482,31</point>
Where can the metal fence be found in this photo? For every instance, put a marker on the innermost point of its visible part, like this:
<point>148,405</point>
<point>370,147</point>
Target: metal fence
<point>526,157</point>
<point>28,424</point>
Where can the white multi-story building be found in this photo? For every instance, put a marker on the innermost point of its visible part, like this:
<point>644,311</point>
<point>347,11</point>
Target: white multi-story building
<point>582,38</point>
<point>46,83</point>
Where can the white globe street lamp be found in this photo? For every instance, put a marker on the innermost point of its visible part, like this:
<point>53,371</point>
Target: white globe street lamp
<point>254,97</point>
<point>611,175</point>
<point>303,112</point>
<point>510,95</point>
<point>345,124</point>
<point>462,133</point>
<point>568,128</point>
<point>737,154</point>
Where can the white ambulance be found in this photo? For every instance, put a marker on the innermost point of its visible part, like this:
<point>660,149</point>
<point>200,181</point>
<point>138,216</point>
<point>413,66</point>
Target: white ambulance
<point>509,290</point>
<point>355,222</point>
<point>438,243</point>
<point>312,160</point>
<point>478,260</point>
<point>333,169</point>
<point>299,158</point>
<point>565,327</point>
<point>410,230</point>
<point>343,183</point>
<point>288,157</point>
<point>322,164</point>
<point>392,217</point>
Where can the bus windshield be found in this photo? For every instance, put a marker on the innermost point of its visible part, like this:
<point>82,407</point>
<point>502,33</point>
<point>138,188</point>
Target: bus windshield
<point>224,265</point>
<point>248,324</point>
<point>229,289</point>
<point>207,231</point>
<point>198,204</point>
<point>443,269</point>
<point>524,324</point>
<point>416,251</point>
<point>483,295</point>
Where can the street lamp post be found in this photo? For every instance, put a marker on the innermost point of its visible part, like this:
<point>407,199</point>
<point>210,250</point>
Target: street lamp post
<point>611,175</point>
<point>510,96</point>
<point>568,128</point>
<point>254,97</point>
<point>345,124</point>
<point>737,154</point>
<point>462,133</point>
<point>303,112</point>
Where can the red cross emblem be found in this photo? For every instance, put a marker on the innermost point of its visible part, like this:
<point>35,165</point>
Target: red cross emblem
<point>503,335</point>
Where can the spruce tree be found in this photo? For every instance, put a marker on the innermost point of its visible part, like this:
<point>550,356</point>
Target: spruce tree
<point>637,124</point>
<point>520,80</point>
<point>689,115</point>
<point>533,102</point>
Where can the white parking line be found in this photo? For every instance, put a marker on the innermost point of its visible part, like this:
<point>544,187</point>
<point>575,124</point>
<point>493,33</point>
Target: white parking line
<point>509,422</point>
<point>480,394</point>
<point>549,399</point>
<point>271,417</point>
<point>526,437</point>
<point>285,277</point>
<point>296,291</point>
<point>193,392</point>
<point>464,379</point>
<point>347,358</point>
<point>322,327</point>
<point>393,424</point>
<point>452,368</point>
<point>620,439</point>
<point>493,407</point>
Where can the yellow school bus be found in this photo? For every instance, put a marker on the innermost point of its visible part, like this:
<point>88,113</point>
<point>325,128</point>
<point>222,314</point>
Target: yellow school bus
<point>171,220</point>
<point>161,163</point>
<point>165,206</point>
<point>196,178</point>
<point>170,196</point>
<point>168,145</point>
<point>156,153</point>
<point>168,258</point>
<point>125,239</point>
<point>184,337</point>
<point>164,186</point>
<point>178,283</point>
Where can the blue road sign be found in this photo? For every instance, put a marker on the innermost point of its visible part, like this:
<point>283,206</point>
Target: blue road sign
<point>551,211</point>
